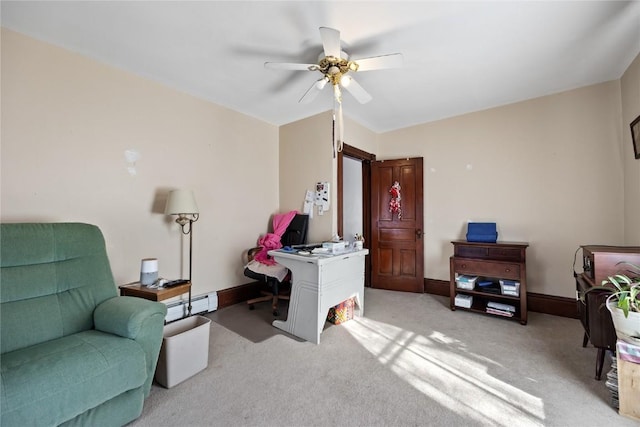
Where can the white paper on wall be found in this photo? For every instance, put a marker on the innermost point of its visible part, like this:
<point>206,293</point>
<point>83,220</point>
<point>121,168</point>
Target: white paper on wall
<point>322,196</point>
<point>132,156</point>
<point>308,204</point>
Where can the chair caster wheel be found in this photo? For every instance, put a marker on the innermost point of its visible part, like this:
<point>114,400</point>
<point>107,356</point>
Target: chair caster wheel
<point>251,307</point>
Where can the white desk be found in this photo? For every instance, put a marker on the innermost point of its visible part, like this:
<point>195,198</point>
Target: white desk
<point>319,283</point>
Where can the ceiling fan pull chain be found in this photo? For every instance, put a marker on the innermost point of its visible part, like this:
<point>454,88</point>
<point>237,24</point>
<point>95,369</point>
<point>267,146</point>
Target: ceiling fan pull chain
<point>337,114</point>
<point>333,135</point>
<point>340,128</point>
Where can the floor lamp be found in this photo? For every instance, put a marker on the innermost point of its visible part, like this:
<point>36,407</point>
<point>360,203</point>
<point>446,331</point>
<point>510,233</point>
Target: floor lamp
<point>183,204</point>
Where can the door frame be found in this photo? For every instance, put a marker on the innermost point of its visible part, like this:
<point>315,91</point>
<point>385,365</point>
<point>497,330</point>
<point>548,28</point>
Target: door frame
<point>366,159</point>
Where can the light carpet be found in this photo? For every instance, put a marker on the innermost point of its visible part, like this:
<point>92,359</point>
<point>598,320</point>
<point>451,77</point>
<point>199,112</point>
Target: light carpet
<point>410,361</point>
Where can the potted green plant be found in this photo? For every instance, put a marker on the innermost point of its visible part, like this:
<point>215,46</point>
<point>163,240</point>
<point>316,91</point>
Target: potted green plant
<point>624,302</point>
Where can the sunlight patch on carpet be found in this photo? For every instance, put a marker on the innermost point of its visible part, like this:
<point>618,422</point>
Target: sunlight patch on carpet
<point>435,366</point>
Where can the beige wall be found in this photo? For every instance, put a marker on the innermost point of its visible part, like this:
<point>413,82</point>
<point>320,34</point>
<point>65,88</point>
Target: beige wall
<point>66,123</point>
<point>630,89</point>
<point>360,137</point>
<point>306,157</point>
<point>548,171</point>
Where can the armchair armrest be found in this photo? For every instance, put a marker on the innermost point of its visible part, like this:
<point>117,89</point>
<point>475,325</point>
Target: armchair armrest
<point>125,316</point>
<point>137,319</point>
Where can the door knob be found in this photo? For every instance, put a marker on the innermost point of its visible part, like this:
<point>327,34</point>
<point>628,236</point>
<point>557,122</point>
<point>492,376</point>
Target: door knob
<point>418,233</point>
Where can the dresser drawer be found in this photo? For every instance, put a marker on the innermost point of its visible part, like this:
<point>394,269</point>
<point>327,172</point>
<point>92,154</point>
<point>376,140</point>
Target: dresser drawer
<point>501,270</point>
<point>497,252</point>
<point>506,254</point>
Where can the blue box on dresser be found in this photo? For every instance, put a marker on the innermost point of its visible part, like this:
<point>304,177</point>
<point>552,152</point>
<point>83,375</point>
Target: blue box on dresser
<point>484,232</point>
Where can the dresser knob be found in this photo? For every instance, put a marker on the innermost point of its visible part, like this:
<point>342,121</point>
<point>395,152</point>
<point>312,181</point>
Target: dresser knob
<point>507,270</point>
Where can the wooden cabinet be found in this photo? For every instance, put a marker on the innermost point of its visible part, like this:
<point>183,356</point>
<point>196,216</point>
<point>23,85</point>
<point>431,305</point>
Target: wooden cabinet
<point>600,262</point>
<point>489,262</point>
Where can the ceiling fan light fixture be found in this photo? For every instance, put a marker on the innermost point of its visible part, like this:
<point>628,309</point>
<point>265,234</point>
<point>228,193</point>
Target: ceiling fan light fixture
<point>334,65</point>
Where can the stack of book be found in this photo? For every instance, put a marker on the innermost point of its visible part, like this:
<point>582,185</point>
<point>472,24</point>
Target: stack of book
<point>489,286</point>
<point>500,309</point>
<point>612,383</point>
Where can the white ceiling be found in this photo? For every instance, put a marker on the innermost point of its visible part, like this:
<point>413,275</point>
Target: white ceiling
<point>459,56</point>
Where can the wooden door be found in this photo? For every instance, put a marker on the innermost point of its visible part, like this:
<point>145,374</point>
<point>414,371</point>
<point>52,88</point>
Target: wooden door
<point>397,249</point>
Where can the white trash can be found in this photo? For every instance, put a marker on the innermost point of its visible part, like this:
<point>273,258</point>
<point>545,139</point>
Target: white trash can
<point>184,351</point>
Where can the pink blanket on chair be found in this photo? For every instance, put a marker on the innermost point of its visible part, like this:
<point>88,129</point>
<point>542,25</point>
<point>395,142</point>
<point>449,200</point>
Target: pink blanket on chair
<point>272,241</point>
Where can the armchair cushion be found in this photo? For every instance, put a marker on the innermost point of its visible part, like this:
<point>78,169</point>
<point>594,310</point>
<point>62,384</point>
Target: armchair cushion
<point>60,379</point>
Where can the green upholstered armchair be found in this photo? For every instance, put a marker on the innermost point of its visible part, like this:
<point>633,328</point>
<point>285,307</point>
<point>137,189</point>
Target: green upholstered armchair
<point>72,351</point>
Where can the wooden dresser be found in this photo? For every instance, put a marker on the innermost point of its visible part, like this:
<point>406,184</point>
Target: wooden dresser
<point>490,262</point>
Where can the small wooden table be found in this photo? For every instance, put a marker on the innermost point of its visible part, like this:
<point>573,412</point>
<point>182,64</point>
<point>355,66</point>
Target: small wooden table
<point>135,289</point>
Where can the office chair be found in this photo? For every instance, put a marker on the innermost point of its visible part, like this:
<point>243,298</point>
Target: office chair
<point>295,234</point>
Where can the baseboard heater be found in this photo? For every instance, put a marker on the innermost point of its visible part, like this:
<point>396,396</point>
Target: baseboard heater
<point>199,304</point>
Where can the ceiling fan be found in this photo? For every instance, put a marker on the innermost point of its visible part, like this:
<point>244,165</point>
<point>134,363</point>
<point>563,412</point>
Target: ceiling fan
<point>335,65</point>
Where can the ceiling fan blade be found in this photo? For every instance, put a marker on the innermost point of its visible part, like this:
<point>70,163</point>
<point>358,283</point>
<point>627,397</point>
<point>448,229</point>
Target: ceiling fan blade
<point>313,91</point>
<point>354,88</point>
<point>288,66</point>
<point>330,41</point>
<point>393,60</point>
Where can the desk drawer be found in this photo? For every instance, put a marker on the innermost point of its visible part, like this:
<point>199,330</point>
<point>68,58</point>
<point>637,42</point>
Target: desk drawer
<point>346,269</point>
<point>486,268</point>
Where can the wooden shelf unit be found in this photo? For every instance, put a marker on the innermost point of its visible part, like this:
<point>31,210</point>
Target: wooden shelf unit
<point>492,261</point>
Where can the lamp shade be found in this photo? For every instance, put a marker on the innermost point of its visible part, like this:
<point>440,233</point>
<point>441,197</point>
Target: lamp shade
<point>181,202</point>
